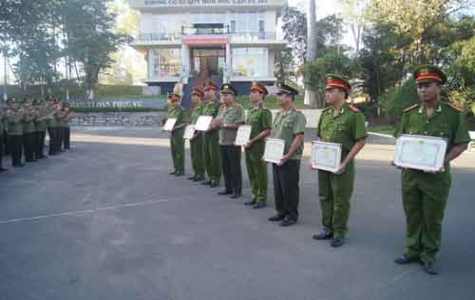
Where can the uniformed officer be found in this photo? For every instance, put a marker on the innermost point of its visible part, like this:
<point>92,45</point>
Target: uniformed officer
<point>29,131</point>
<point>69,115</point>
<point>260,120</point>
<point>289,125</point>
<point>14,116</point>
<point>196,142</point>
<point>211,150</point>
<point>41,128</point>
<point>230,116</point>
<point>2,128</point>
<point>342,124</point>
<point>176,138</point>
<point>424,194</point>
<point>52,126</point>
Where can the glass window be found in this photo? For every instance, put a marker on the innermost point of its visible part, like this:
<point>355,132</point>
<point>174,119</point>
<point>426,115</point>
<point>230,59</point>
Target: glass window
<point>166,62</point>
<point>249,62</point>
<point>233,26</point>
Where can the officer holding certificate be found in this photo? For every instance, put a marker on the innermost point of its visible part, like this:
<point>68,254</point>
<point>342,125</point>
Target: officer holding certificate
<point>260,120</point>
<point>176,138</point>
<point>424,194</point>
<point>196,142</point>
<point>230,116</point>
<point>342,124</point>
<point>289,126</point>
<point>211,150</point>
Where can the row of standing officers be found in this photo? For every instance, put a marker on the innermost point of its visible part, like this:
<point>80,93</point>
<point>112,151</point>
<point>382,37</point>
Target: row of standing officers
<point>213,153</point>
<point>23,127</point>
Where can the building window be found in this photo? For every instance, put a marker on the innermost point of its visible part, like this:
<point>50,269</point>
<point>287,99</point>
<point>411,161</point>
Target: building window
<point>262,27</point>
<point>250,62</point>
<point>166,63</point>
<point>233,26</point>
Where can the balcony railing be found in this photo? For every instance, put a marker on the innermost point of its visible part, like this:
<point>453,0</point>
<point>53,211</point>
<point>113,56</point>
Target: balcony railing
<point>251,36</point>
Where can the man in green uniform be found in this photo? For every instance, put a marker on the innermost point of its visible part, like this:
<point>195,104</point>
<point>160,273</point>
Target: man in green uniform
<point>41,128</point>
<point>176,138</point>
<point>14,116</point>
<point>424,194</point>
<point>211,150</point>
<point>342,124</point>
<point>230,116</point>
<point>289,126</point>
<point>260,120</point>
<point>69,115</point>
<point>29,131</point>
<point>2,128</point>
<point>52,126</point>
<point>196,142</point>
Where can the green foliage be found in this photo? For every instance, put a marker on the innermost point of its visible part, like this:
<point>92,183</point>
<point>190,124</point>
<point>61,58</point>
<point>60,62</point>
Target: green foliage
<point>396,101</point>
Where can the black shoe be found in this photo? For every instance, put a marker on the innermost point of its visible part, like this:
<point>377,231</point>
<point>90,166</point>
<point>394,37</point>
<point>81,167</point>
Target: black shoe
<point>287,222</point>
<point>430,267</point>
<point>191,178</point>
<point>3,169</point>
<point>252,202</point>
<point>259,205</point>
<point>198,178</point>
<point>171,173</point>
<point>213,184</point>
<point>222,193</point>
<point>42,157</point>
<point>20,165</point>
<point>206,183</point>
<point>235,195</point>
<point>337,242</point>
<point>276,218</point>
<point>325,234</point>
<point>178,174</point>
<point>404,260</point>
<point>31,160</point>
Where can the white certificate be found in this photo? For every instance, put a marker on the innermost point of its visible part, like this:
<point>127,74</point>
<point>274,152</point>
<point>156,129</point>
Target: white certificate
<point>203,123</point>
<point>325,156</point>
<point>169,124</point>
<point>419,152</point>
<point>189,132</point>
<point>243,135</point>
<point>274,150</point>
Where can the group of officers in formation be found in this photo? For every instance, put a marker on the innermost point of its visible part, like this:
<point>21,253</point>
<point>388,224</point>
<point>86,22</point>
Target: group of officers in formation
<point>23,127</point>
<point>213,153</point>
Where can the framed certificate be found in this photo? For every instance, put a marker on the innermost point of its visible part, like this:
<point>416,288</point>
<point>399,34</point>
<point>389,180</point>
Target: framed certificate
<point>243,135</point>
<point>203,123</point>
<point>325,156</point>
<point>420,152</point>
<point>274,150</point>
<point>169,124</point>
<point>189,132</point>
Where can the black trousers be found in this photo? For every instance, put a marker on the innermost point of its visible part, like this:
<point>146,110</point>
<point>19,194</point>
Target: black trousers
<point>67,138</point>
<point>231,165</point>
<point>1,151</point>
<point>40,143</point>
<point>4,140</point>
<point>15,144</point>
<point>53,140</point>
<point>60,138</point>
<point>286,188</point>
<point>29,145</point>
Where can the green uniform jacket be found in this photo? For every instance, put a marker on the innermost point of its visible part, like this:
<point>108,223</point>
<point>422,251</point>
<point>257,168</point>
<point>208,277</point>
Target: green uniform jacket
<point>260,119</point>
<point>345,127</point>
<point>41,125</point>
<point>287,125</point>
<point>211,109</point>
<point>15,122</point>
<point>181,117</point>
<point>197,112</point>
<point>29,123</point>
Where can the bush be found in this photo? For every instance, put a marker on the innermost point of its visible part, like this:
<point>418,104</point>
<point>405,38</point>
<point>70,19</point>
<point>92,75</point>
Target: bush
<point>394,102</point>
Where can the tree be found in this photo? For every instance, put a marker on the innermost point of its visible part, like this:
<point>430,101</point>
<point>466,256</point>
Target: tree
<point>311,54</point>
<point>295,32</point>
<point>354,14</point>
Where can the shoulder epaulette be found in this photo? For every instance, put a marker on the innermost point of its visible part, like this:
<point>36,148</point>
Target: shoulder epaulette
<point>455,107</point>
<point>326,108</point>
<point>354,109</point>
<point>411,108</point>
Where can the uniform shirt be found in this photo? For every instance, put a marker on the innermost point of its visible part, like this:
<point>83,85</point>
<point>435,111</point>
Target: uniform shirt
<point>287,125</point>
<point>197,112</point>
<point>445,122</point>
<point>14,122</point>
<point>41,125</point>
<point>344,127</point>
<point>179,114</point>
<point>211,109</point>
<point>53,122</point>
<point>260,119</point>
<point>29,125</point>
<point>233,114</point>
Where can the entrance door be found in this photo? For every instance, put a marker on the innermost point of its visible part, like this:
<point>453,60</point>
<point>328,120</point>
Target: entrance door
<point>207,63</point>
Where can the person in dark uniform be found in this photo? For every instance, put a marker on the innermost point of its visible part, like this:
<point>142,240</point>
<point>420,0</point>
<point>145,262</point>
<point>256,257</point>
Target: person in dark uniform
<point>41,128</point>
<point>29,131</point>
<point>2,128</point>
<point>425,194</point>
<point>67,125</point>
<point>230,116</point>
<point>289,125</point>
<point>14,116</point>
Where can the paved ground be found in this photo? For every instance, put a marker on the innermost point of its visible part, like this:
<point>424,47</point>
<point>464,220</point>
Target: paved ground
<point>105,221</point>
